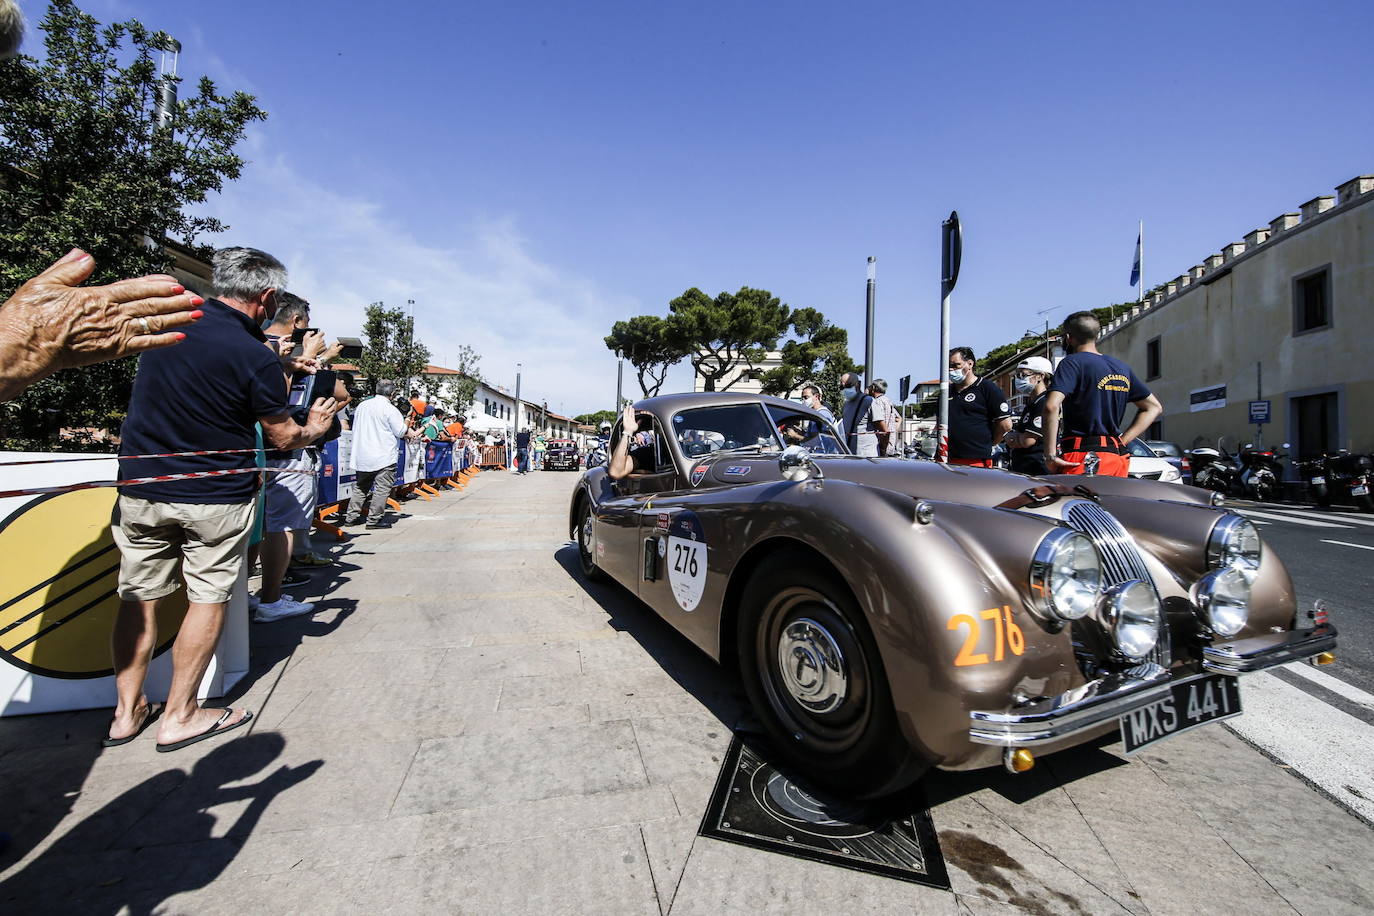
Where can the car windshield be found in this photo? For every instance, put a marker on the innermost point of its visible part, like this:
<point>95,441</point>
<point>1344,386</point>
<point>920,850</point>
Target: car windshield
<point>1139,449</point>
<point>739,427</point>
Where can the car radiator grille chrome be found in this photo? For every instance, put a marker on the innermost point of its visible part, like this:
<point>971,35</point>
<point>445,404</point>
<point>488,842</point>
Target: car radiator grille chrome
<point>1121,559</point>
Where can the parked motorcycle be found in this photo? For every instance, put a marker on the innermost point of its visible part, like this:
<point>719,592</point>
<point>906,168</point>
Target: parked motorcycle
<point>1261,471</point>
<point>1340,474</point>
<point>1254,473</point>
<point>1214,468</point>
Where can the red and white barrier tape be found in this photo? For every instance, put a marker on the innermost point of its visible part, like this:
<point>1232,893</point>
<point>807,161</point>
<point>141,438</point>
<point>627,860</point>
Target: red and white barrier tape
<point>224,451</point>
<point>92,484</point>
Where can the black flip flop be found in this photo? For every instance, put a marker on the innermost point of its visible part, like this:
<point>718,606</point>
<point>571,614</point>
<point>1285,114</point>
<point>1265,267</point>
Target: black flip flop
<point>152,717</point>
<point>218,728</point>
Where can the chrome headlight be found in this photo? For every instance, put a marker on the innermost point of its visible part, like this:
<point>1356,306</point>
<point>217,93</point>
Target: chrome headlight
<point>1233,542</point>
<point>1067,573</point>
<point>1133,615</point>
<point>1223,596</point>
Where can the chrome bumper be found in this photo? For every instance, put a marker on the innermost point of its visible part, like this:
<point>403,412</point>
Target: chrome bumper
<point>1260,652</point>
<point>1055,718</point>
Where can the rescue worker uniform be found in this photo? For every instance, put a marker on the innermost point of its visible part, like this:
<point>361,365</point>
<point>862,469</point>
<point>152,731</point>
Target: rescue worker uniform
<point>974,415</point>
<point>1031,423</point>
<point>1096,390</point>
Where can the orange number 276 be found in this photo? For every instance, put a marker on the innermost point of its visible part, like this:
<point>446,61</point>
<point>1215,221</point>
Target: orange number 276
<point>1006,635</point>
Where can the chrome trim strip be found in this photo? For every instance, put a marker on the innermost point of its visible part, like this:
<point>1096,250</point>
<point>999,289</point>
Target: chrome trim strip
<point>1260,652</point>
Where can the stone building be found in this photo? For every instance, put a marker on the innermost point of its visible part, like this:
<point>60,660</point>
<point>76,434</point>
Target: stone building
<point>1285,316</point>
<point>744,378</point>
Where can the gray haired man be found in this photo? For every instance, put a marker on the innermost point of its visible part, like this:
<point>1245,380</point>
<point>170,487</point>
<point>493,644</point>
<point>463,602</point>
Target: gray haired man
<point>377,427</point>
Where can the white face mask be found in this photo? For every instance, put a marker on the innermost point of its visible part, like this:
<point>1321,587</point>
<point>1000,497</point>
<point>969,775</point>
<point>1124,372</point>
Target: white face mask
<point>956,375</point>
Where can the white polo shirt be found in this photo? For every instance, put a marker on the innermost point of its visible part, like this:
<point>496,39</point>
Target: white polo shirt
<point>377,424</point>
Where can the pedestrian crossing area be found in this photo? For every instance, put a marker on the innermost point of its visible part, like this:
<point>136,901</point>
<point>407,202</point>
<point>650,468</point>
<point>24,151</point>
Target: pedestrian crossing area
<point>1308,517</point>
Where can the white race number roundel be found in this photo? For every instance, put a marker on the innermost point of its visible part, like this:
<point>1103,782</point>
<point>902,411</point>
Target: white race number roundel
<point>686,560</point>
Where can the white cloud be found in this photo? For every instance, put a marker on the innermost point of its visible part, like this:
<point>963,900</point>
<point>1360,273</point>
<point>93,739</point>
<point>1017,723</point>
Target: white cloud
<point>484,286</point>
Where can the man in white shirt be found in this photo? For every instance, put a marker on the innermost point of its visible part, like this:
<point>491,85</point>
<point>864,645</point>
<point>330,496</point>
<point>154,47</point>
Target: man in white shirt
<point>377,426</point>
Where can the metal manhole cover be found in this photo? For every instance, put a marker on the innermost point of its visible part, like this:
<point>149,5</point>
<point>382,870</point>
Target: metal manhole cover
<point>754,804</point>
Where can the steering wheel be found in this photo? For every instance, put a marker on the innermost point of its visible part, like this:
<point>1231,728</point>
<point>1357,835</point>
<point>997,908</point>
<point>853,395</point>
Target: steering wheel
<point>693,449</point>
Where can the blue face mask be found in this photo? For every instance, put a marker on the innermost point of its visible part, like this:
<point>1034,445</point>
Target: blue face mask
<point>956,376</point>
<point>850,394</point>
<point>1023,385</point>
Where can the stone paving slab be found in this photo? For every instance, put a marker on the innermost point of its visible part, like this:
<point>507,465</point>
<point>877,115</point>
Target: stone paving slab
<point>465,726</point>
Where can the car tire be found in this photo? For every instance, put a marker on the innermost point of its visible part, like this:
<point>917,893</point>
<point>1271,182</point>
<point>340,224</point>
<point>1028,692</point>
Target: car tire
<point>586,560</point>
<point>854,747</point>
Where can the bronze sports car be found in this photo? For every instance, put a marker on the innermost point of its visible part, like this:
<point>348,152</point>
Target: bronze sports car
<point>887,616</point>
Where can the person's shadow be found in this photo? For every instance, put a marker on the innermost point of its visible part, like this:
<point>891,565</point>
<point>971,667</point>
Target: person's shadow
<point>159,838</point>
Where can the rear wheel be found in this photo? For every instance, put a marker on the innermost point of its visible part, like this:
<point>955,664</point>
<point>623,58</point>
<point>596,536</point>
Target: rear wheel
<point>1365,503</point>
<point>812,672</point>
<point>1320,494</point>
<point>586,543</point>
<point>1264,487</point>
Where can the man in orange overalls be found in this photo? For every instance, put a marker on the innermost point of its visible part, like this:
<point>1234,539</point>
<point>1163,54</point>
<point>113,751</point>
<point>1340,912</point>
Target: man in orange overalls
<point>1086,403</point>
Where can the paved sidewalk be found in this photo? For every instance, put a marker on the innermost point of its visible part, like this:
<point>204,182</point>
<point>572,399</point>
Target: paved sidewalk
<point>464,726</point>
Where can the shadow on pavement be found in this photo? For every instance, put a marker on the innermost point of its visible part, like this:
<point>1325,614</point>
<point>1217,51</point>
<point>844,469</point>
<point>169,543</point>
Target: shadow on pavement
<point>159,838</point>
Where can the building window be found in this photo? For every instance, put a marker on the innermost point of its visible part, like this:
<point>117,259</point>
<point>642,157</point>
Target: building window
<point>1312,300</point>
<point>1152,359</point>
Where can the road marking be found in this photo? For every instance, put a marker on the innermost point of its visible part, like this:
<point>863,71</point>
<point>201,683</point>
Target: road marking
<point>1274,516</point>
<point>1348,544</point>
<point>1333,684</point>
<point>1326,745</point>
<point>1343,518</point>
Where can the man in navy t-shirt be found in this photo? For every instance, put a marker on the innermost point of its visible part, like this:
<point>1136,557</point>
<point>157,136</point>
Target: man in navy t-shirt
<point>979,415</point>
<point>1086,402</point>
<point>205,394</point>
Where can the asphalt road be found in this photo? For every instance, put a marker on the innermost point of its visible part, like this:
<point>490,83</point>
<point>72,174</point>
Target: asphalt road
<point>1330,555</point>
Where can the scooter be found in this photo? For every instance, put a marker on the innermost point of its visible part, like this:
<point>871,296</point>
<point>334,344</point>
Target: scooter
<point>1340,473</point>
<point>1260,472</point>
<point>1214,469</point>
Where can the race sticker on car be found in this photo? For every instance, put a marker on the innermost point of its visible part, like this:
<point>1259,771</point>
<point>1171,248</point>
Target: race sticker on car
<point>1189,704</point>
<point>737,470</point>
<point>687,560</point>
<point>699,473</point>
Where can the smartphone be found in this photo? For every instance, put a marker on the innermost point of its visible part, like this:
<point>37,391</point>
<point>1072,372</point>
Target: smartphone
<point>298,334</point>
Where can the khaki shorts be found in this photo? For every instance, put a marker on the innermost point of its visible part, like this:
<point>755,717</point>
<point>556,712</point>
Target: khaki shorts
<point>207,542</point>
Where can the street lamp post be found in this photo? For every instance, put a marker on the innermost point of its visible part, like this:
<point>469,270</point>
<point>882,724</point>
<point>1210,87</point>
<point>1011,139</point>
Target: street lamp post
<point>870,296</point>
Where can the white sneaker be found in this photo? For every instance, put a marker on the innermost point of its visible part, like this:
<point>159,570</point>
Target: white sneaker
<point>281,609</point>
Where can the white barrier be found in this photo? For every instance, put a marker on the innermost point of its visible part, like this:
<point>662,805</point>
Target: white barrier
<point>57,596</point>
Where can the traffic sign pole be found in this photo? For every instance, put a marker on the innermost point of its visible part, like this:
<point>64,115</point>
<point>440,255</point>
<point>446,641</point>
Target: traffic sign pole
<point>951,253</point>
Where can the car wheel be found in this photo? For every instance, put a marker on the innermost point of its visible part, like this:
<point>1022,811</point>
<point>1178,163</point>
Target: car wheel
<point>585,545</point>
<point>813,674</point>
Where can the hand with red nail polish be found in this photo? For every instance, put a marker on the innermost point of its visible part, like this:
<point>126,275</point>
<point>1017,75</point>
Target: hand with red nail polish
<point>52,322</point>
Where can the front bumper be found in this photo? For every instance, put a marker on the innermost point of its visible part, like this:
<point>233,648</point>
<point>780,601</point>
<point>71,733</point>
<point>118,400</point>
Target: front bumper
<point>1053,719</point>
<point>1260,652</point>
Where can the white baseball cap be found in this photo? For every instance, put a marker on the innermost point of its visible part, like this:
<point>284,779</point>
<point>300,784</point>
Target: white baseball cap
<point>1036,364</point>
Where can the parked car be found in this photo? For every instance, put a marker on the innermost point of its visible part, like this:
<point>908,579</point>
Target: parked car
<point>891,616</point>
<point>1146,465</point>
<point>562,455</point>
<point>1173,453</point>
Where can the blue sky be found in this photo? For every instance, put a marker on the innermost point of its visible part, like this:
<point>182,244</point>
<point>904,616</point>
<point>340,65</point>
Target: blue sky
<point>531,172</point>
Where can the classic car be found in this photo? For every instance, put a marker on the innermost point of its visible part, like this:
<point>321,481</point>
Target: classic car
<point>889,616</point>
<point>561,455</point>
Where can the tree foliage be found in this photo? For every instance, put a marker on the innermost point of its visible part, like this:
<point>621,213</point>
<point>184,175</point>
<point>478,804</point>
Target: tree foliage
<point>819,353</point>
<point>723,333</point>
<point>392,352</point>
<point>595,419</point>
<point>84,164</point>
<point>650,345</point>
<point>459,391</point>
<point>996,356</point>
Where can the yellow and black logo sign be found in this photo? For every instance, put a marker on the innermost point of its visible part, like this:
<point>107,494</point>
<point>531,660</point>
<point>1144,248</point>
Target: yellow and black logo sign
<point>1114,383</point>
<point>57,587</point>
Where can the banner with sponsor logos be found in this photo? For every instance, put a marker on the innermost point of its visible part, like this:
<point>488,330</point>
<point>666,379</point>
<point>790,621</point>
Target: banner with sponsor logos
<point>57,595</point>
<point>336,477</point>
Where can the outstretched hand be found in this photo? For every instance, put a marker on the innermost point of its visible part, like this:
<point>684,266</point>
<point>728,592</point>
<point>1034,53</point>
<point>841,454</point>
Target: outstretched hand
<point>52,322</point>
<point>1057,464</point>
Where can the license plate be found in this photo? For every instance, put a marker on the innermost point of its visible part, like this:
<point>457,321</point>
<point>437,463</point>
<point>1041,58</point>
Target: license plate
<point>1189,704</point>
<point>1316,481</point>
<point>1359,491</point>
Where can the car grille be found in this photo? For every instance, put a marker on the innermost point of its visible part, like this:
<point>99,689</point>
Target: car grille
<point>1150,475</point>
<point>1121,559</point>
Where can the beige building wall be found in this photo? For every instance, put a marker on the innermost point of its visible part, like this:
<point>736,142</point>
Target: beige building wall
<point>749,385</point>
<point>1231,321</point>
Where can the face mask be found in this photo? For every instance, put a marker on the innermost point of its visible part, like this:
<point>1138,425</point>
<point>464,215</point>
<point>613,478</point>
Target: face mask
<point>265,324</point>
<point>851,393</point>
<point>956,375</point>
<point>1023,385</point>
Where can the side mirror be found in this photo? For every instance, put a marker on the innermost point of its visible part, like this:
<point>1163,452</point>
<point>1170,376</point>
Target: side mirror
<point>1159,453</point>
<point>796,463</point>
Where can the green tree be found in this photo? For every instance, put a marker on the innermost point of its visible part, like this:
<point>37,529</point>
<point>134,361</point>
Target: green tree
<point>595,419</point>
<point>819,353</point>
<point>648,343</point>
<point>392,352</point>
<point>461,390</point>
<point>84,164</point>
<point>726,332</point>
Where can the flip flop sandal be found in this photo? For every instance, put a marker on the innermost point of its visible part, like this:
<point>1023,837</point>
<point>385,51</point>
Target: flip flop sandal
<point>153,713</point>
<point>218,728</point>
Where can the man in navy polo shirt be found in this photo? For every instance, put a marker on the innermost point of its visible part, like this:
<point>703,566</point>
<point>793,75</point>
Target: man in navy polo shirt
<point>979,415</point>
<point>1090,392</point>
<point>205,394</point>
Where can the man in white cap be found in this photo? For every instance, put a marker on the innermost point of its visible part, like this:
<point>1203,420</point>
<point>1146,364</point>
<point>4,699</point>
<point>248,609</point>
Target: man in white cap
<point>1032,379</point>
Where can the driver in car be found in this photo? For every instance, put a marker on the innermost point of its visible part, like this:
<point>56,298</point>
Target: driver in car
<point>634,450</point>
